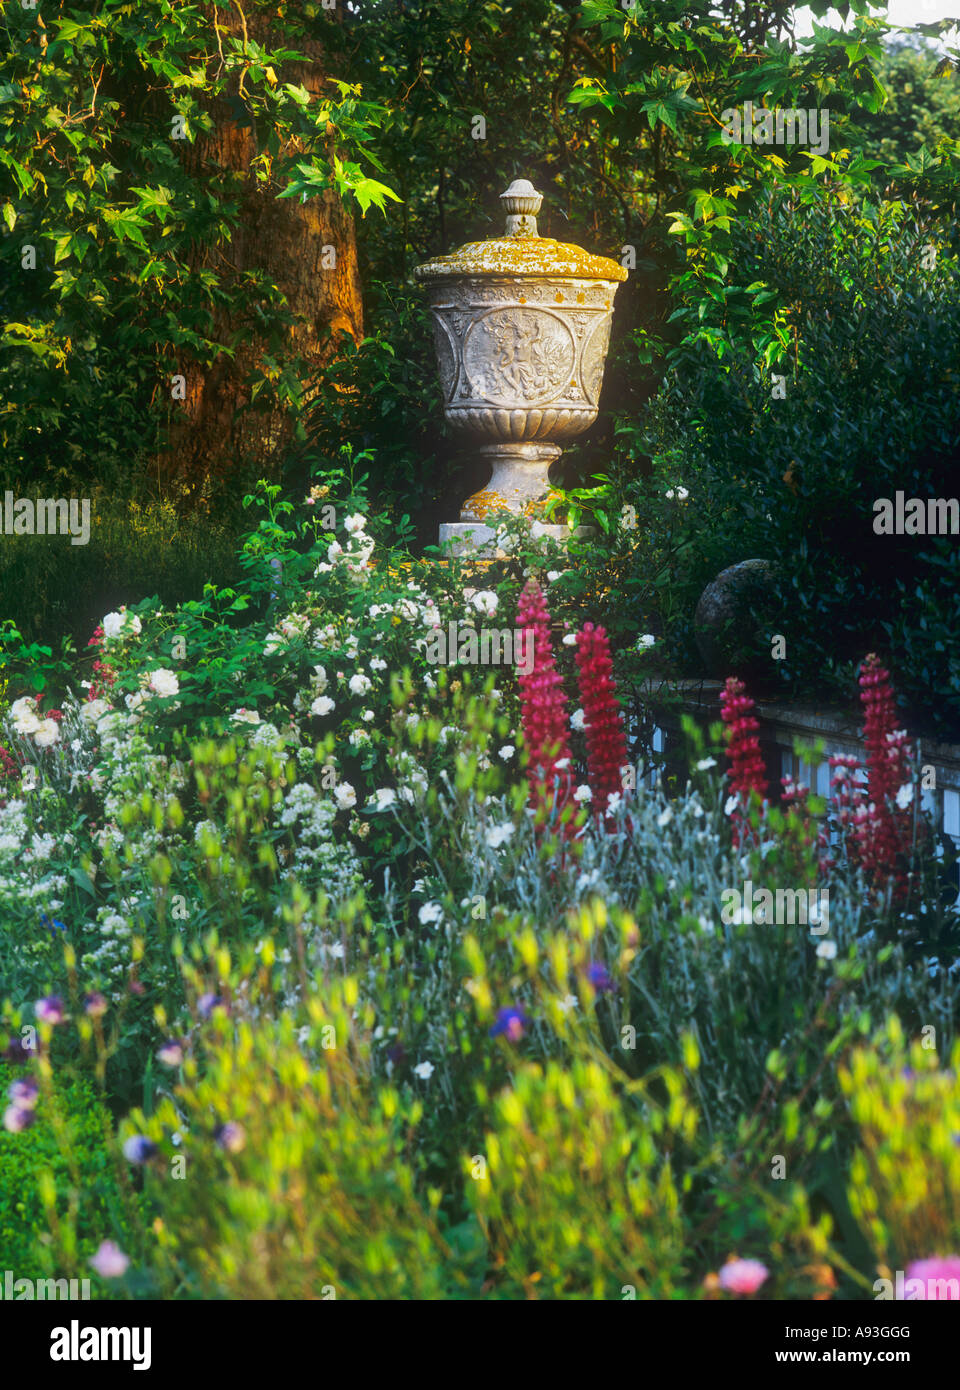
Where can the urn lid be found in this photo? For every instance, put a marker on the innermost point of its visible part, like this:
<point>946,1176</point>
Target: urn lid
<point>521,251</point>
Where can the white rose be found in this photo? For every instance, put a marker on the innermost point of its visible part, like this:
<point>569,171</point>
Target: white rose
<point>245,716</point>
<point>345,796</point>
<point>385,797</point>
<point>486,602</point>
<point>322,705</point>
<point>25,717</point>
<point>354,524</point>
<point>112,625</point>
<point>46,733</point>
<point>164,682</point>
<point>360,684</point>
<point>577,719</point>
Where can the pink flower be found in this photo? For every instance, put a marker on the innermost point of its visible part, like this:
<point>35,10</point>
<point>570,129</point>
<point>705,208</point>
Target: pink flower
<point>883,832</point>
<point>110,1262</point>
<point>743,1276</point>
<point>543,708</point>
<point>748,773</point>
<point>603,722</point>
<point>939,1268</point>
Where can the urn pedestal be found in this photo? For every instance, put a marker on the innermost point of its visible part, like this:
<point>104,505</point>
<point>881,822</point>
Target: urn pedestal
<point>521,326</point>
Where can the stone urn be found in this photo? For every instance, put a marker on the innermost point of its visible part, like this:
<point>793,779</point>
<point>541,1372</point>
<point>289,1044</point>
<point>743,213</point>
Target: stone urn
<point>521,326</point>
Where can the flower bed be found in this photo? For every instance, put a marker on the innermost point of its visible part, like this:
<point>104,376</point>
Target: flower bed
<point>427,992</point>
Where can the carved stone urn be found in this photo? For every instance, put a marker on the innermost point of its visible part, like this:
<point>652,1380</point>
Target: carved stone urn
<point>521,326</point>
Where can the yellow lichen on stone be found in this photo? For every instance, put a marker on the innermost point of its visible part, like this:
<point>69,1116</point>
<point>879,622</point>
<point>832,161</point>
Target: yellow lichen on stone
<point>522,256</point>
<point>476,507</point>
<point>537,508</point>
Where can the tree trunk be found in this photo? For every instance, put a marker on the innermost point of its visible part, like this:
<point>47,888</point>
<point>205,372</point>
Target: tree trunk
<point>211,434</point>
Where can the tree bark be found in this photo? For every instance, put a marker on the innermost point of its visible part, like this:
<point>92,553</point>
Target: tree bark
<point>211,434</point>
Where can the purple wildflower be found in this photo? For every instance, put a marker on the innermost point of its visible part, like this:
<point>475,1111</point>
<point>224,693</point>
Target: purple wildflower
<point>171,1054</point>
<point>231,1137</point>
<point>138,1148</point>
<point>24,1093</point>
<point>50,1009</point>
<point>16,1119</point>
<point>599,977</point>
<point>511,1022</point>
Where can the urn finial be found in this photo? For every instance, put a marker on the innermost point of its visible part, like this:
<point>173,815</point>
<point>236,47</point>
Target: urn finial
<point>521,202</point>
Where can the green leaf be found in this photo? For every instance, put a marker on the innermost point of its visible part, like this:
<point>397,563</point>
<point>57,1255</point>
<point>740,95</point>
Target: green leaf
<point>83,880</point>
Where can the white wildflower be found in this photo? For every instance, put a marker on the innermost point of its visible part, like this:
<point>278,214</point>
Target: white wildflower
<point>497,835</point>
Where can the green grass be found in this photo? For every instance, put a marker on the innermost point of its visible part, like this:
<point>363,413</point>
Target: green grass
<point>51,588</point>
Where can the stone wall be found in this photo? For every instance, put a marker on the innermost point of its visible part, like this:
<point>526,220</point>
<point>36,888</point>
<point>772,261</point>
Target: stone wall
<point>656,710</point>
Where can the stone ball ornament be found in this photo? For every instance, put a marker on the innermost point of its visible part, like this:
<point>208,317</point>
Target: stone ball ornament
<point>521,327</point>
<point>731,615</point>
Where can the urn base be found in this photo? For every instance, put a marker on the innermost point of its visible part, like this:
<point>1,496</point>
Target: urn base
<point>518,482</point>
